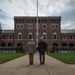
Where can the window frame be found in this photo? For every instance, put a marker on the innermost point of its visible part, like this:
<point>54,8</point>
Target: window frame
<point>54,26</point>
<point>54,34</point>
<point>29,35</point>
<point>44,34</point>
<point>45,26</point>
<point>71,37</point>
<point>20,34</point>
<point>31,26</point>
<point>19,26</point>
<point>10,37</point>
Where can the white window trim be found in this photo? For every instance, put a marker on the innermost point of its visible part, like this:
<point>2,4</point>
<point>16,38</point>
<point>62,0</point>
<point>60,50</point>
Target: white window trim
<point>54,26</point>
<point>29,34</point>
<point>53,36</point>
<point>19,26</point>
<point>45,35</point>
<point>21,36</point>
<point>43,26</point>
<point>29,26</point>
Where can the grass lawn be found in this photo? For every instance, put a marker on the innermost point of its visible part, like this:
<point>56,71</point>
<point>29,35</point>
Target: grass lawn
<point>66,58</point>
<point>4,57</point>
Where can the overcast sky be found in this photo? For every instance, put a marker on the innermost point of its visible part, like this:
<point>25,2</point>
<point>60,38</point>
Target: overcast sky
<point>63,8</point>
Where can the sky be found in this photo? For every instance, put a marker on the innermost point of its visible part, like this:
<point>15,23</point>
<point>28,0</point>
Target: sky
<point>63,8</point>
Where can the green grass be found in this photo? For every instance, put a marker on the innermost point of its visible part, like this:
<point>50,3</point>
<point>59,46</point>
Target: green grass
<point>5,57</point>
<point>66,58</point>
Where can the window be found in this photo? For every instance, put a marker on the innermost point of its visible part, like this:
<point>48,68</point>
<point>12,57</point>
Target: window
<point>28,20</point>
<point>32,20</point>
<point>54,35</point>
<point>3,37</point>
<point>44,35</point>
<point>71,37</point>
<point>54,26</point>
<point>45,20</point>
<point>19,35</point>
<point>64,36</point>
<point>39,20</point>
<point>19,26</point>
<point>42,20</point>
<point>10,37</point>
<point>44,26</point>
<point>30,26</point>
<point>30,35</point>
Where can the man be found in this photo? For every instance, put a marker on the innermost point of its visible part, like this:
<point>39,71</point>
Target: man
<point>31,51</point>
<point>42,47</point>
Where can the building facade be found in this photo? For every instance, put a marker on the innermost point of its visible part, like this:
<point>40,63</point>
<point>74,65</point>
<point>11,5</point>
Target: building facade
<point>48,27</point>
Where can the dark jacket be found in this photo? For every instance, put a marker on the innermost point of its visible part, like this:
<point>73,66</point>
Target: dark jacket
<point>42,46</point>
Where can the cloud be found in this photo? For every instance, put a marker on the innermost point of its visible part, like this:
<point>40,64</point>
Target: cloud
<point>11,8</point>
<point>68,25</point>
<point>51,7</point>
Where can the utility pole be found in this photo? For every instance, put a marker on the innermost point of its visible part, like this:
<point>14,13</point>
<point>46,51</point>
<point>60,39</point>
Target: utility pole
<point>0,30</point>
<point>37,26</point>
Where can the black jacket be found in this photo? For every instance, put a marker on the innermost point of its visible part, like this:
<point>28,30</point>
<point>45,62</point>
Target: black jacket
<point>42,46</point>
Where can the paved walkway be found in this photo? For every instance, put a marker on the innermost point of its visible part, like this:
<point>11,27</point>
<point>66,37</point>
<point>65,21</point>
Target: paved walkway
<point>52,66</point>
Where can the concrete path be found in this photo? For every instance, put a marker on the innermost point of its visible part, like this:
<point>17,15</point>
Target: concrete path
<point>21,66</point>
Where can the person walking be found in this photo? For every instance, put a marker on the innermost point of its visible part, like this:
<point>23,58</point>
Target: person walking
<point>31,50</point>
<point>42,47</point>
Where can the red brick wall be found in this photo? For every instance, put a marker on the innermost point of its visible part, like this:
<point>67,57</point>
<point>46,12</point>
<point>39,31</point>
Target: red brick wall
<point>42,20</point>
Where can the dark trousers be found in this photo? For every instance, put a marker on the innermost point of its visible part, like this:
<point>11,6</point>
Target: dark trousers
<point>31,58</point>
<point>42,57</point>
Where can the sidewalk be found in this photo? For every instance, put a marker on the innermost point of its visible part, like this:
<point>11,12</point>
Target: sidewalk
<point>21,66</point>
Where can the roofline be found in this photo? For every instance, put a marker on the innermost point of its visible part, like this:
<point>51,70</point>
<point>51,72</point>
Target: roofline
<point>38,16</point>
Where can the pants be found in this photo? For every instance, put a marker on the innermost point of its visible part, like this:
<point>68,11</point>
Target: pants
<point>31,58</point>
<point>42,57</point>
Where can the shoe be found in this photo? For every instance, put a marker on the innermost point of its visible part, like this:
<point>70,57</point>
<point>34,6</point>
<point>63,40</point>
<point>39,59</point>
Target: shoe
<point>42,63</point>
<point>31,63</point>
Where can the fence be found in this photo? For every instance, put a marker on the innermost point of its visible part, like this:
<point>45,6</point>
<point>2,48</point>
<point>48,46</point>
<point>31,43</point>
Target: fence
<point>11,50</point>
<point>64,50</point>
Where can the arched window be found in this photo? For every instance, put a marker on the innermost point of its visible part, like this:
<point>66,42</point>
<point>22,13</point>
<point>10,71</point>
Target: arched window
<point>19,35</point>
<point>30,35</point>
<point>44,36</point>
<point>54,35</point>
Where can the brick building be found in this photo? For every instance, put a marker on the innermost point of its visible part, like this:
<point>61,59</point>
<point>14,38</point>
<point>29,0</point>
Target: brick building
<point>48,26</point>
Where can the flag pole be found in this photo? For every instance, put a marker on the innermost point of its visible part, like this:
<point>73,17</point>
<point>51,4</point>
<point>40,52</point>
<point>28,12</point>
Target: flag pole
<point>37,26</point>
